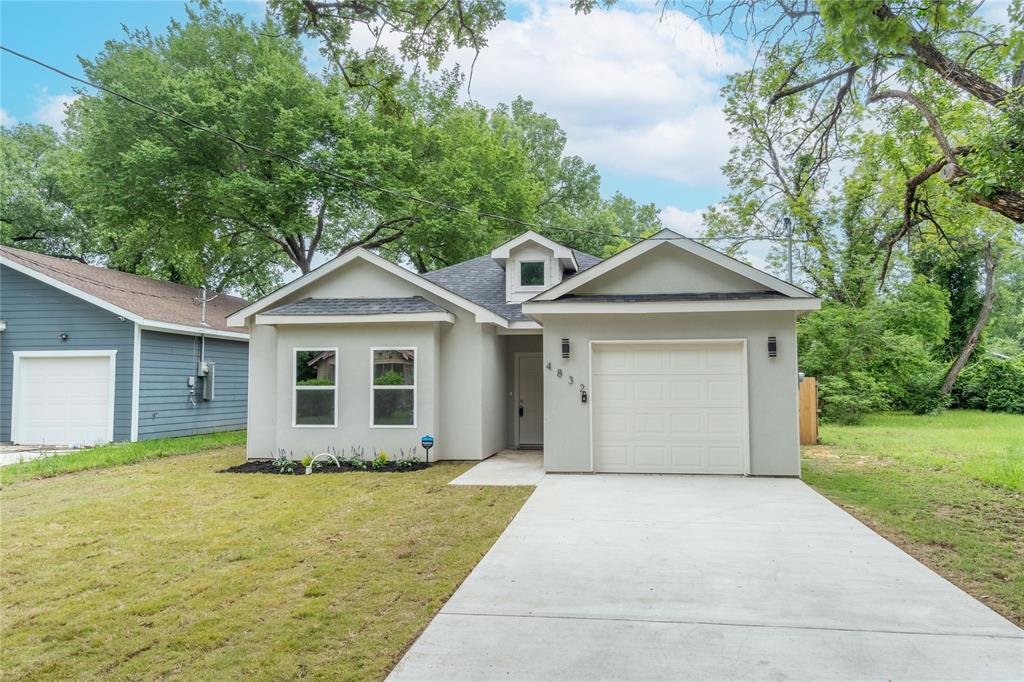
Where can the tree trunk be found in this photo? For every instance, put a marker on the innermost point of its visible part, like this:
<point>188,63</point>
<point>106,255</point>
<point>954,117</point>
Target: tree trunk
<point>1005,203</point>
<point>954,72</point>
<point>972,341</point>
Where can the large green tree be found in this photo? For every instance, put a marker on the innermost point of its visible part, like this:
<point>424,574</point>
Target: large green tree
<point>36,210</point>
<point>285,168</point>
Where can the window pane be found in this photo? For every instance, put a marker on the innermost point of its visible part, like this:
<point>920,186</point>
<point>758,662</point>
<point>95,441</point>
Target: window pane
<point>531,274</point>
<point>315,367</point>
<point>315,406</point>
<point>392,407</point>
<point>393,367</point>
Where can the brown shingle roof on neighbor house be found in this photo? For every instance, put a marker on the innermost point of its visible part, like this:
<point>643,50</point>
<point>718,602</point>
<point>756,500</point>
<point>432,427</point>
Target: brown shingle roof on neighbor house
<point>147,298</point>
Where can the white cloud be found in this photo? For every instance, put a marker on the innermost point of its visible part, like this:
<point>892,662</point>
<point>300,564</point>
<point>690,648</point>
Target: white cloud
<point>52,109</point>
<point>6,119</point>
<point>636,93</point>
<point>686,223</point>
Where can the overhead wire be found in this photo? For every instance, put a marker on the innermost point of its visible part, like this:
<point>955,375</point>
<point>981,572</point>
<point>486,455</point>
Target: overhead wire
<point>349,178</point>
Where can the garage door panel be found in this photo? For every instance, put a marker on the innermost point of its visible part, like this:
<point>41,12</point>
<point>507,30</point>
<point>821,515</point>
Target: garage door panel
<point>687,457</point>
<point>63,399</point>
<point>687,423</point>
<point>673,408</point>
<point>646,389</point>
<point>650,423</point>
<point>726,390</point>
<point>684,391</point>
<point>613,388</point>
<point>650,456</point>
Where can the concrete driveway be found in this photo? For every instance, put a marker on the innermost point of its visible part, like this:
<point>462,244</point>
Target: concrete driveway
<point>675,577</point>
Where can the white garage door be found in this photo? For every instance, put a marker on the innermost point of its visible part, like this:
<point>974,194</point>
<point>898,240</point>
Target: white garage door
<point>670,407</point>
<point>63,400</point>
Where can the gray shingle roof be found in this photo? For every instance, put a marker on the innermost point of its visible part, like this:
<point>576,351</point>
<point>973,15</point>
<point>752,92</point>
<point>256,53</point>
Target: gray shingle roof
<point>482,281</point>
<point>648,298</point>
<point>357,306</point>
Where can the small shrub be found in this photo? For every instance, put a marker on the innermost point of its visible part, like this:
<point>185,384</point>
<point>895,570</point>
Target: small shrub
<point>923,394</point>
<point>307,460</point>
<point>846,399</point>
<point>992,384</point>
<point>380,461</point>
<point>283,463</point>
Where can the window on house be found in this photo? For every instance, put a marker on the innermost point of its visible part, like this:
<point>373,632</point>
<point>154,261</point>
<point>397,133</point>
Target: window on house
<point>531,273</point>
<point>394,387</point>
<point>315,389</point>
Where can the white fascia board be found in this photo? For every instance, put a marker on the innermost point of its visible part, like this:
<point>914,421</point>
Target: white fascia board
<point>521,327</point>
<point>117,310</point>
<point>688,245</point>
<point>170,328</point>
<point>483,315</point>
<point>356,319</point>
<point>539,308</point>
<point>564,253</point>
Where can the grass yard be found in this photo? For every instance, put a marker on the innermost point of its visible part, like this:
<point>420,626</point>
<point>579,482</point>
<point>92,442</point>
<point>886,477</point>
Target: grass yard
<point>116,454</point>
<point>167,568</point>
<point>948,489</point>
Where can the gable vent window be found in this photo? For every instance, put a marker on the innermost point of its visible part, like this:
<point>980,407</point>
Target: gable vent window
<point>531,273</point>
<point>315,391</point>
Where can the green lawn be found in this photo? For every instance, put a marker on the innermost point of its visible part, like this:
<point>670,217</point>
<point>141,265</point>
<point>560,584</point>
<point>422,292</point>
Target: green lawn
<point>167,568</point>
<point>948,489</point>
<point>116,454</point>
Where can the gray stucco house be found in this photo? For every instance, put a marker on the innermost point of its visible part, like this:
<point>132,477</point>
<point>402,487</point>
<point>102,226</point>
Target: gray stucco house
<point>669,357</point>
<point>90,355</point>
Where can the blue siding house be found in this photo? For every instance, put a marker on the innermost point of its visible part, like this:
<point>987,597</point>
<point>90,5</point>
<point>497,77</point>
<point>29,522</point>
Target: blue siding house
<point>90,355</point>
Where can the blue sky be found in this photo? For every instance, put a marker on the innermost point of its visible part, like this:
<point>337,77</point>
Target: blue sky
<point>645,111</point>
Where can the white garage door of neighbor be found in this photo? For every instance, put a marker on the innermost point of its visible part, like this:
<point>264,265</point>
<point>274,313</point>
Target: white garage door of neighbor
<point>676,407</point>
<point>63,400</point>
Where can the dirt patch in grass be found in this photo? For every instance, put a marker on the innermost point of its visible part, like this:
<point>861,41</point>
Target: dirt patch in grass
<point>170,569</point>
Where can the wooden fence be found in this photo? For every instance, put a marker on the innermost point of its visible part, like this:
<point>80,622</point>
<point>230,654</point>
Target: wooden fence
<point>809,411</point>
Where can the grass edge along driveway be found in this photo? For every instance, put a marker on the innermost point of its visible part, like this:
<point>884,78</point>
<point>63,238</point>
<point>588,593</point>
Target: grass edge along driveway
<point>168,568</point>
<point>948,489</point>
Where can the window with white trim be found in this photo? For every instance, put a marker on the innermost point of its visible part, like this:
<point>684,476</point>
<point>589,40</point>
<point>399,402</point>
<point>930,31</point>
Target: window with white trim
<point>531,273</point>
<point>394,386</point>
<point>315,398</point>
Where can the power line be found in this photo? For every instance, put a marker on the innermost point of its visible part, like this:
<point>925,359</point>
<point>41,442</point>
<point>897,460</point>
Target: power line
<point>342,176</point>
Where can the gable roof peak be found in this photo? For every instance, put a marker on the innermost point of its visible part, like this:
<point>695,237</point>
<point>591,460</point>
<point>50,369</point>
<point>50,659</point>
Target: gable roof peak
<point>564,254</point>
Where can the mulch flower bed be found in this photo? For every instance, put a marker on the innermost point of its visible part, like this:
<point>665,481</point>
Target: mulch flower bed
<point>266,466</point>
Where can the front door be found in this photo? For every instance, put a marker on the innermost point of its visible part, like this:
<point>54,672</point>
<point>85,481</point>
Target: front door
<point>529,395</point>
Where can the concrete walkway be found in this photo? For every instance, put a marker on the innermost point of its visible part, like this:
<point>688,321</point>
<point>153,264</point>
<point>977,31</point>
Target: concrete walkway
<point>509,467</point>
<point>675,577</point>
<point>14,454</point>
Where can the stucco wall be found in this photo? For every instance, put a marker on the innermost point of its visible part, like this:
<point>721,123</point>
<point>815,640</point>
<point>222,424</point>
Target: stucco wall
<point>772,382</point>
<point>668,269</point>
<point>353,387</point>
<point>453,359</point>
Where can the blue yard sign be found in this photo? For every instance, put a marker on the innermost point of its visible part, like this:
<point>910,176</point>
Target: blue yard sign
<point>427,442</point>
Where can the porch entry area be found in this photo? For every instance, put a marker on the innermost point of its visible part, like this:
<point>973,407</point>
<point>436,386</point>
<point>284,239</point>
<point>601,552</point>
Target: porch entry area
<point>524,409</point>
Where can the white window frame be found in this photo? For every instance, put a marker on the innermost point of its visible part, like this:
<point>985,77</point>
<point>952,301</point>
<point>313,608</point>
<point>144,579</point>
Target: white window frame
<point>533,287</point>
<point>295,387</point>
<point>414,387</point>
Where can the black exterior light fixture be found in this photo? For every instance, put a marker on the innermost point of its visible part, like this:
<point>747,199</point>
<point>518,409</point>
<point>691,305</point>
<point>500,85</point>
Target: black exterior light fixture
<point>565,348</point>
<point>62,337</point>
<point>773,347</point>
